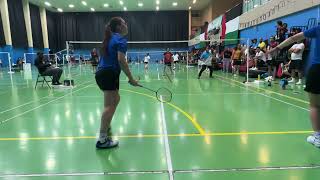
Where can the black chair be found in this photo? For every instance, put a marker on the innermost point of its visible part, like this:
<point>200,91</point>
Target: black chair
<point>42,78</point>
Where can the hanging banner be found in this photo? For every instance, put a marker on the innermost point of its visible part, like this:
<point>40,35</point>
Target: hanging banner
<point>202,37</point>
<point>232,25</point>
<point>273,10</point>
<point>215,24</point>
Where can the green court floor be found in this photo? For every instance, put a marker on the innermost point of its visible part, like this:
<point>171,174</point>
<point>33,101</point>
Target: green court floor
<point>214,128</point>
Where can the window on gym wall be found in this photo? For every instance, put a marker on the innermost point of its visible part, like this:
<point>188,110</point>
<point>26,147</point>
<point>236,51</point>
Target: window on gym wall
<point>248,5</point>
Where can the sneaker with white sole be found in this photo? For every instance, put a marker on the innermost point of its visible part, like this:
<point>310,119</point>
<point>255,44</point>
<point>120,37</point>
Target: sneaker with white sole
<point>292,81</point>
<point>107,144</point>
<point>314,140</point>
<point>299,82</point>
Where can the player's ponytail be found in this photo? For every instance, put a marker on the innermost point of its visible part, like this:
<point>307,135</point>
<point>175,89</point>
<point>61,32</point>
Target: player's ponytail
<point>111,28</point>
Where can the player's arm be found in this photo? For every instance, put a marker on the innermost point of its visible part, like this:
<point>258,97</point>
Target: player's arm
<point>125,68</point>
<point>296,38</point>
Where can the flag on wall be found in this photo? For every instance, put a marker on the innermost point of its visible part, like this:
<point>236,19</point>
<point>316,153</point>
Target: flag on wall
<point>232,25</point>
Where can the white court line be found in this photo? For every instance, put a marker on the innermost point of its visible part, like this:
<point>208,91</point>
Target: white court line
<point>267,96</point>
<point>45,97</point>
<point>83,174</point>
<point>250,169</point>
<point>166,143</point>
<point>227,170</point>
<point>195,94</point>
<point>178,94</point>
<point>6,120</point>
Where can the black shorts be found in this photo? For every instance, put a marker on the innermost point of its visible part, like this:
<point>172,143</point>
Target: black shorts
<point>237,62</point>
<point>296,64</point>
<point>167,63</point>
<point>175,62</point>
<point>108,79</point>
<point>146,62</point>
<point>260,62</point>
<point>313,80</point>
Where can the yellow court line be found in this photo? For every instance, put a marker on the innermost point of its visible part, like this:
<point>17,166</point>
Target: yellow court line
<point>268,91</point>
<point>158,135</point>
<point>193,120</point>
<point>188,116</point>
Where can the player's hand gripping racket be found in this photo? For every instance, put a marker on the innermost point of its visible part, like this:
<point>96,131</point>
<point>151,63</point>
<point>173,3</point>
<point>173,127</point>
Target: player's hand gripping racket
<point>162,94</point>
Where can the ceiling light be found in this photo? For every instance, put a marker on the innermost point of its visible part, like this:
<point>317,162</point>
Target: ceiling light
<point>174,4</point>
<point>157,8</point>
<point>84,3</point>
<point>106,5</point>
<point>71,6</point>
<point>60,10</point>
<point>125,8</point>
<point>121,2</point>
<point>92,9</point>
<point>158,2</point>
<point>189,7</point>
<point>47,3</point>
<point>194,1</point>
<point>140,4</point>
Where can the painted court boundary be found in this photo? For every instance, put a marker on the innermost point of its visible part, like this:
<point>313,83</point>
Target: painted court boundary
<point>157,135</point>
<point>122,173</point>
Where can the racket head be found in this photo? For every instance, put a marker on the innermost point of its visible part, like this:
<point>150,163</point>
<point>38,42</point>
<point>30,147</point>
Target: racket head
<point>164,95</point>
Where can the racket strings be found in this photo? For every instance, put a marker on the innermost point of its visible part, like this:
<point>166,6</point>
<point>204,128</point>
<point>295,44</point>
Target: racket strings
<point>164,95</point>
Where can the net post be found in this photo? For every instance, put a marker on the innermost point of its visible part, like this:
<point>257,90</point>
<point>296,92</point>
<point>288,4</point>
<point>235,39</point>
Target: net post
<point>56,59</point>
<point>67,56</point>
<point>10,65</point>
<point>187,59</point>
<point>68,60</point>
<point>24,58</point>
<point>248,58</point>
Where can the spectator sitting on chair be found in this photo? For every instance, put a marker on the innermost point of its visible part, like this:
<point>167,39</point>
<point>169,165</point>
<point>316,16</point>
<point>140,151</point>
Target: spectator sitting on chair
<point>262,45</point>
<point>20,64</point>
<point>260,58</point>
<point>254,44</point>
<point>48,70</point>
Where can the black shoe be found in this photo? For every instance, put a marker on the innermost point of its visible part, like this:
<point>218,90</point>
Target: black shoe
<point>56,83</point>
<point>107,144</point>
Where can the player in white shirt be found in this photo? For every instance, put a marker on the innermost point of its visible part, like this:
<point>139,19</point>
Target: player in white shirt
<point>146,61</point>
<point>175,60</point>
<point>295,64</point>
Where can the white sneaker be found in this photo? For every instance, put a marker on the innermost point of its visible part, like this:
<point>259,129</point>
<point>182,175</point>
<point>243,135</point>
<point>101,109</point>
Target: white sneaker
<point>313,140</point>
<point>299,82</point>
<point>292,81</point>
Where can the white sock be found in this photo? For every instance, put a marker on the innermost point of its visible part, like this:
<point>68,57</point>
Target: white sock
<point>102,137</point>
